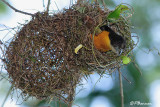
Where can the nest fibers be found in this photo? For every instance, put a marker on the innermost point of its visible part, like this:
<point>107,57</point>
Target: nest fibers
<point>41,60</point>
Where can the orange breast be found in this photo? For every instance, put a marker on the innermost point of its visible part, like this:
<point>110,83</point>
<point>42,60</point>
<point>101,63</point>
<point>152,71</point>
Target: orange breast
<point>102,41</point>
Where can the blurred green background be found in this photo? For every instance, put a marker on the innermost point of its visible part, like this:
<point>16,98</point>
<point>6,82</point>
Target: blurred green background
<point>144,88</point>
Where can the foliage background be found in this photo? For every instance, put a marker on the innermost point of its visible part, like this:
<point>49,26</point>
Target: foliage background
<point>145,88</point>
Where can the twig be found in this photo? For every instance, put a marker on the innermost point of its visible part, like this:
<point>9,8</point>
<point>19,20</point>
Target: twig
<point>104,5</point>
<point>121,88</point>
<point>71,95</point>
<point>49,2</point>
<point>16,10</point>
<point>9,91</point>
<point>71,2</point>
<point>126,78</point>
<point>56,6</point>
<point>136,66</point>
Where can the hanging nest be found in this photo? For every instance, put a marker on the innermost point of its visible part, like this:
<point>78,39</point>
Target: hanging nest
<point>41,58</point>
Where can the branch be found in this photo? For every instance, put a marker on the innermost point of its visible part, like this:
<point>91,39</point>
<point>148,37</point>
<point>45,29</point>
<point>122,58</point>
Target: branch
<point>121,88</point>
<point>16,10</point>
<point>49,2</point>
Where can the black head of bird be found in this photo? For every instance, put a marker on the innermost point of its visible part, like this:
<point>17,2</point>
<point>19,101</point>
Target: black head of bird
<point>118,43</point>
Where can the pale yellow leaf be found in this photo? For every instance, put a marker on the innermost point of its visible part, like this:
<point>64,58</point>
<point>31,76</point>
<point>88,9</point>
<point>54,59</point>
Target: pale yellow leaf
<point>78,48</point>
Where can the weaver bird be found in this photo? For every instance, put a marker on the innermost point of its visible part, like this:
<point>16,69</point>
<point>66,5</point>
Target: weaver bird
<point>109,40</point>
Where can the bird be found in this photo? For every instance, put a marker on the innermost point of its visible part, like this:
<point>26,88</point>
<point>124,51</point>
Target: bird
<point>108,40</point>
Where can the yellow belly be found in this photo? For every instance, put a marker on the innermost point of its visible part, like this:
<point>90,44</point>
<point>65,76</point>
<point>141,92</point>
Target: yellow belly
<point>102,41</point>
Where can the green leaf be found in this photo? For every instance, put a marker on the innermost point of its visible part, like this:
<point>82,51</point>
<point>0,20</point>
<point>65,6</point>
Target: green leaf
<point>116,13</point>
<point>3,8</point>
<point>126,59</point>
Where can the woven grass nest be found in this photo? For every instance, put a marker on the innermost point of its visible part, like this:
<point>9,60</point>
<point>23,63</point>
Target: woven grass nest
<point>41,60</point>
